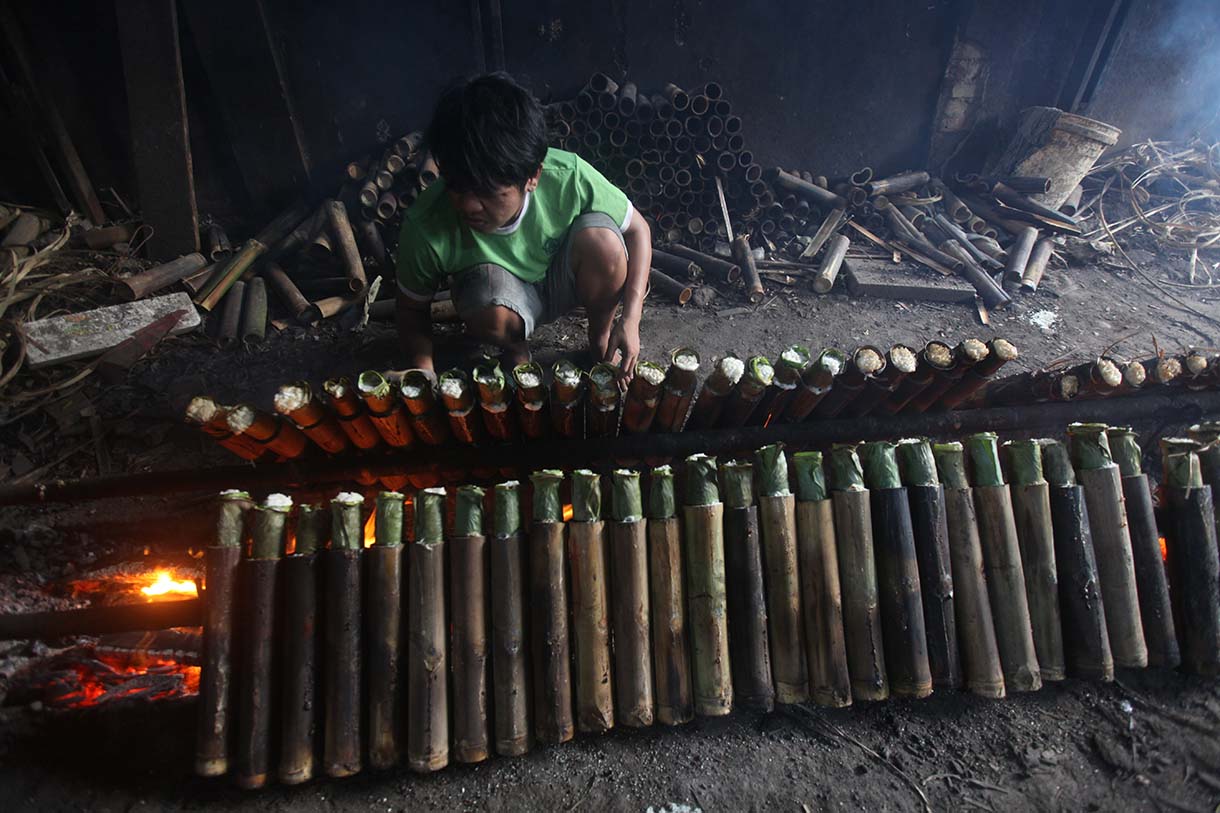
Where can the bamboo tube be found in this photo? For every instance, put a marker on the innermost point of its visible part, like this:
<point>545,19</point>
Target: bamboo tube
<point>821,598</point>
<point>345,238</point>
<point>857,576</point>
<point>917,467</point>
<point>287,291</point>
<point>276,435</point>
<point>590,606</point>
<point>745,595</point>
<point>966,355</point>
<point>341,647</point>
<point>298,685</point>
<point>707,607</point>
<point>601,405</point>
<point>816,382</point>
<point>383,611</point>
<point>745,397</point>
<point>509,650</point>
<point>1112,540</point>
<point>976,636</point>
<point>866,363</point>
<point>352,419</point>
<point>777,509</point>
<point>254,312</point>
<point>458,396</point>
<point>384,410</point>
<point>212,419</point>
<point>633,684</point>
<point>678,390</point>
<point>643,397</point>
<point>792,363</point>
<point>903,630</point>
<point>297,402</point>
<point>1035,535</point>
<point>1018,256</point>
<point>1000,352</point>
<point>494,400</point>
<point>900,361</point>
<point>1193,568</point>
<point>935,358</point>
<point>427,650</point>
<point>567,400</point>
<point>531,400</point>
<point>257,577</point>
<point>468,585</point>
<point>715,392</point>
<point>1152,587</point>
<point>216,672</point>
<point>1086,643</point>
<point>670,650</point>
<point>1002,565</point>
<point>1031,277</point>
<point>161,276</point>
<point>419,396</point>
<point>549,613</point>
<point>235,266</point>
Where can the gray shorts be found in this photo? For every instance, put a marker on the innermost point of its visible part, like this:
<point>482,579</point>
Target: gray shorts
<point>536,303</point>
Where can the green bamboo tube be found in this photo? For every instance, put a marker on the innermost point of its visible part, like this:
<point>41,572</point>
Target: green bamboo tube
<point>590,606</point>
<point>342,651</point>
<point>552,674</point>
<point>777,511</point>
<point>670,647</point>
<point>1193,567</point>
<point>745,594</point>
<point>976,636</point>
<point>630,609</point>
<point>509,651</point>
<point>1099,476</point>
<point>298,681</point>
<point>857,576</point>
<point>1002,565</point>
<point>427,647</point>
<point>383,614</point>
<point>468,587</point>
<point>821,597</point>
<point>704,538</point>
<point>1035,533</point>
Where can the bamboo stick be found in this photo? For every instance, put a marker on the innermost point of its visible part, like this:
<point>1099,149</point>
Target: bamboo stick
<point>816,382</point>
<point>678,390</point>
<point>509,641</point>
<point>715,392</point>
<point>383,611</point>
<point>342,651</point>
<point>385,410</point>
<point>458,396</point>
<point>494,400</point>
<point>567,400</point>
<point>643,397</point>
<point>270,431</point>
<point>857,576</point>
<point>298,655</point>
<point>866,363</point>
<point>419,396</point>
<point>935,358</point>
<point>746,396</point>
<point>590,606</point>
<point>976,636</point>
<point>704,552</point>
<point>296,402</point>
<point>468,585</point>
<point>349,254</point>
<point>427,649</point>
<point>670,650</point>
<point>900,362</point>
<point>553,722</point>
<point>602,402</point>
<point>531,400</point>
<point>789,367</point>
<point>634,698</point>
<point>352,419</point>
<point>966,355</point>
<point>212,420</point>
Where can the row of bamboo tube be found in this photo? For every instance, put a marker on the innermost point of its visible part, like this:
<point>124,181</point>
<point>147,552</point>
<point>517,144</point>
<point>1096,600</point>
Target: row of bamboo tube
<point>878,570</point>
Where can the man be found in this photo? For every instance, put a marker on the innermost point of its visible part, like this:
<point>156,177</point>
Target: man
<point>521,233</point>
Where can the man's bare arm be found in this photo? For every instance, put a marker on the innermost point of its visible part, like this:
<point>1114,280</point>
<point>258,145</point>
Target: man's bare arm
<point>626,335</point>
<point>415,332</point>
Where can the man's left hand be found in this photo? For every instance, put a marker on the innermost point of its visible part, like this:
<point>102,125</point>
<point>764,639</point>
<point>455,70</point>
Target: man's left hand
<point>625,345</point>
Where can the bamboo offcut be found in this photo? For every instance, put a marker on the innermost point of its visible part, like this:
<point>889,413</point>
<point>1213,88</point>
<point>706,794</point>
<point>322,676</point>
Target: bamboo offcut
<point>704,552</point>
<point>383,632</point>
<point>631,613</point>
<point>427,647</point>
<point>552,675</point>
<point>670,647</point>
<point>594,689</point>
<point>468,620</point>
<point>342,651</point>
<point>509,639</point>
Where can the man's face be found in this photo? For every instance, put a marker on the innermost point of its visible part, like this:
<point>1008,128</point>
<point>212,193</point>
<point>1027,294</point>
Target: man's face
<point>487,212</point>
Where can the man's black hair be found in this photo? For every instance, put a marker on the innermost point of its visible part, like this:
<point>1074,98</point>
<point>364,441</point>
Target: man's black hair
<point>487,132</point>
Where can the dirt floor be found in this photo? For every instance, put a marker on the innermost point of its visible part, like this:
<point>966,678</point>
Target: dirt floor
<point>1149,742</point>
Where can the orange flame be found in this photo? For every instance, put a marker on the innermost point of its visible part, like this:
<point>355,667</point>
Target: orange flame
<point>370,530</point>
<point>165,584</point>
<point>1164,549</point>
<point>567,513</point>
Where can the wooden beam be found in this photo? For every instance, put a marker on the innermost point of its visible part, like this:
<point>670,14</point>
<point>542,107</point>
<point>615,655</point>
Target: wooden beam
<point>160,142</point>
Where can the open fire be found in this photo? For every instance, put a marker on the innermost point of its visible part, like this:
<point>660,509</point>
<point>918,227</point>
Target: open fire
<point>164,584</point>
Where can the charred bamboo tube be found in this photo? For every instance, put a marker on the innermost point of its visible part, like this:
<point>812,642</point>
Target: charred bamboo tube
<point>341,645</point>
<point>902,182</point>
<point>745,595</point>
<point>1035,534</point>
<point>832,261</point>
<point>900,361</point>
<point>678,390</point>
<point>458,397</point>
<point>1002,565</point>
<point>643,397</point>
<point>601,406</point>
<point>931,535</point>
<point>419,396</point>
<point>902,622</point>
<point>715,392</point>
<point>830,225</point>
<point>670,650</point>
<point>230,316</point>
<point>966,356</point>
<point>821,598</point>
<point>567,402</point>
<point>161,276</point>
<point>745,260</point>
<point>857,576</point>
<point>494,400</point>
<point>963,240</point>
<point>427,647</point>
<point>531,400</point>
<point>1194,572</point>
<point>468,584</point>
<point>792,363</point>
<point>675,267</point>
<point>384,410</point>
<point>212,419</point>
<point>549,607</point>
<point>1019,254</point>
<point>359,429</point>
<point>257,575</point>
<point>984,674</point>
<point>816,381</point>
<point>254,312</point>
<point>235,266</point>
<point>297,402</point>
<point>345,238</point>
<point>934,359</point>
<point>275,434</point>
<point>216,672</point>
<point>749,392</point>
<point>719,269</point>
<point>1156,611</point>
<point>298,655</point>
<point>509,649</point>
<point>704,551</point>
<point>777,510</point>
<point>1100,478</point>
<point>1086,643</point>
<point>677,292</point>
<point>1031,277</point>
<point>866,363</point>
<point>1000,352</point>
<point>590,606</point>
<point>383,611</point>
<point>633,685</point>
<point>816,195</point>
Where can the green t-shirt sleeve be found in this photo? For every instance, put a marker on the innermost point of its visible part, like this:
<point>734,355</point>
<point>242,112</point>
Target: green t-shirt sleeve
<point>599,195</point>
<point>419,268</point>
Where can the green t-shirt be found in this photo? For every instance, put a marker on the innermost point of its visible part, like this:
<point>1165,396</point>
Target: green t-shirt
<point>435,244</point>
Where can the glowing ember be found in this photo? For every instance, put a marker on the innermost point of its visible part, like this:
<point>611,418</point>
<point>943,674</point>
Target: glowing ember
<point>370,530</point>
<point>1164,548</point>
<point>164,584</point>
<point>567,513</point>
